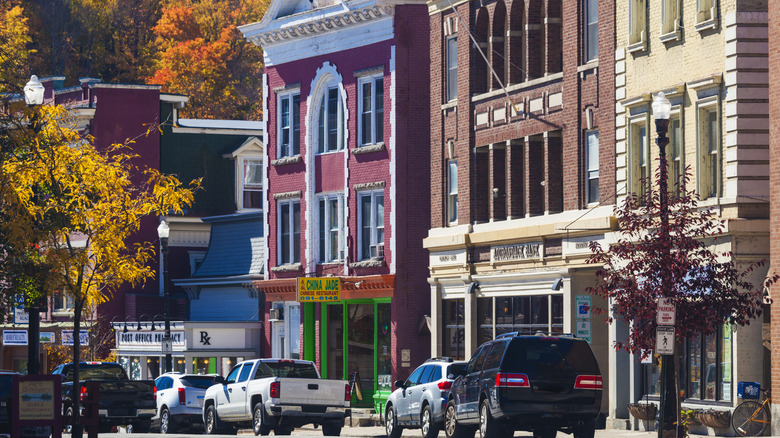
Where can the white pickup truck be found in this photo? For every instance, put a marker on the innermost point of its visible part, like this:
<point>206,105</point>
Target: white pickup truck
<point>278,395</point>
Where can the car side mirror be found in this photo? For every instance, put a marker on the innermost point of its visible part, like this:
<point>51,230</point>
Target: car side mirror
<point>399,384</point>
<point>220,380</point>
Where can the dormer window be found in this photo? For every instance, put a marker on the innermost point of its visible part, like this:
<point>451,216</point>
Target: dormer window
<point>252,197</point>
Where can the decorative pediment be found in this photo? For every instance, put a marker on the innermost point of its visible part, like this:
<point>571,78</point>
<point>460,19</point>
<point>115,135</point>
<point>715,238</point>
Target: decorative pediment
<point>252,145</point>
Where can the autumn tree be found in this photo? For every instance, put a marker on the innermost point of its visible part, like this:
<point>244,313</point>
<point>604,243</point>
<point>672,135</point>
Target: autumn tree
<point>14,39</point>
<point>76,208</point>
<point>200,53</point>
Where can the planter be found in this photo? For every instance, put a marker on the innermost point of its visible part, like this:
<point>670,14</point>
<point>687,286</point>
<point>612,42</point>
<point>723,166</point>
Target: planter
<point>643,411</point>
<point>714,418</point>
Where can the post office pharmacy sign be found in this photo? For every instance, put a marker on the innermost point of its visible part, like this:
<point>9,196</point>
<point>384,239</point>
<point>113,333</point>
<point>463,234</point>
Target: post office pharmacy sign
<point>148,338</point>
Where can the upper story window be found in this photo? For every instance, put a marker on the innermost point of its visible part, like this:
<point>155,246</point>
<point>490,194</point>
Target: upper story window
<point>709,150</point>
<point>330,127</point>
<point>252,184</point>
<point>670,18</point>
<point>371,217</point>
<point>452,192</point>
<point>452,68</point>
<point>637,23</point>
<point>592,166</point>
<point>676,155</point>
<point>639,156</point>
<point>289,124</point>
<point>289,234</point>
<point>331,228</point>
<point>591,30</point>
<point>706,14</point>
<point>372,101</point>
<point>61,302</point>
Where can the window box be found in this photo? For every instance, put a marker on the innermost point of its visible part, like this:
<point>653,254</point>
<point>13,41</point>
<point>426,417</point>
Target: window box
<point>643,411</point>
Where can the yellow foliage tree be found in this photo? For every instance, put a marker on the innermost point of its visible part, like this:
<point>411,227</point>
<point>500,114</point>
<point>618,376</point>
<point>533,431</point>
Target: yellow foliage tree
<point>79,206</point>
<point>14,38</point>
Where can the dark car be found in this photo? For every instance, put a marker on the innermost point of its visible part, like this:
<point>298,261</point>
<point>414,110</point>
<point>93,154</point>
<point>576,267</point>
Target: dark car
<point>535,383</point>
<point>6,378</point>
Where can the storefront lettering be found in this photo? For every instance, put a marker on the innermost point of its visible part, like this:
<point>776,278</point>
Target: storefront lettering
<point>148,338</point>
<point>205,339</point>
<point>448,258</point>
<point>516,252</point>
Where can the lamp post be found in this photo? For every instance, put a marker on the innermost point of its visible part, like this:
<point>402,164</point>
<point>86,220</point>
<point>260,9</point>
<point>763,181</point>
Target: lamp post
<point>33,96</point>
<point>162,232</point>
<point>669,412</point>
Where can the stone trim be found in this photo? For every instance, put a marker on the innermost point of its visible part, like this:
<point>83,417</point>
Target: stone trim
<point>287,160</point>
<point>288,195</point>
<point>370,71</point>
<point>379,147</point>
<point>370,263</point>
<point>369,186</point>
<point>289,267</point>
<point>287,88</point>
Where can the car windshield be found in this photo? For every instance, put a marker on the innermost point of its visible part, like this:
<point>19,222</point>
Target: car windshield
<point>101,371</point>
<point>286,369</point>
<point>202,382</point>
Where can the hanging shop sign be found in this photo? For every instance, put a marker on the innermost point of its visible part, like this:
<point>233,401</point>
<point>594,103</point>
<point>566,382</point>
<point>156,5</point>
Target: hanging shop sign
<point>314,289</point>
<point>14,337</point>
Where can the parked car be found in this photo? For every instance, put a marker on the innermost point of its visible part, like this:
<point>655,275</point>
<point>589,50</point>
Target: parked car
<point>278,395</point>
<point>121,401</point>
<point>420,400</point>
<point>180,400</point>
<point>6,400</point>
<point>535,383</point>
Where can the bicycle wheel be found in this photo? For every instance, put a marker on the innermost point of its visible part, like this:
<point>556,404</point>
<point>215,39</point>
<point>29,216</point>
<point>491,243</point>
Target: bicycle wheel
<point>749,419</point>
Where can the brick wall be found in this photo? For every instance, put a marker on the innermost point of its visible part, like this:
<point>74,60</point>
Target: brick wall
<point>774,181</point>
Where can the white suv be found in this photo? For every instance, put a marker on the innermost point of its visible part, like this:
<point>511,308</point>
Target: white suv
<point>420,400</point>
<point>180,400</point>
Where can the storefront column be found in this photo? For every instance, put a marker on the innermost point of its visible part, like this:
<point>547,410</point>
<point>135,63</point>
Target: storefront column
<point>622,375</point>
<point>470,310</point>
<point>436,335</point>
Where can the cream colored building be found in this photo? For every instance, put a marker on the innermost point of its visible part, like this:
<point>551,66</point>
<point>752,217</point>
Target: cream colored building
<point>709,57</point>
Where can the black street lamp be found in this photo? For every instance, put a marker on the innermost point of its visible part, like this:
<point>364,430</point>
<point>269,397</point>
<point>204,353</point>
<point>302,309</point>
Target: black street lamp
<point>163,231</point>
<point>33,96</point>
<point>669,412</point>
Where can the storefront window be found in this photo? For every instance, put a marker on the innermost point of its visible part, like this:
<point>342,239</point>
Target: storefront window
<point>135,368</point>
<point>485,318</point>
<point>360,320</point>
<point>228,362</point>
<point>335,341</point>
<point>454,333</point>
<point>557,313</point>
<point>705,367</point>
<point>725,363</point>
<point>204,365</point>
<point>694,367</point>
<point>152,367</point>
<point>383,340</point>
<point>179,365</point>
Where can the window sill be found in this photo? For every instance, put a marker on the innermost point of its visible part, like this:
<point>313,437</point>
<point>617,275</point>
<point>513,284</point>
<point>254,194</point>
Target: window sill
<point>62,312</point>
<point>287,160</point>
<point>330,152</point>
<point>290,267</point>
<point>331,263</point>
<point>706,25</point>
<point>636,47</point>
<point>590,65</point>
<point>370,263</point>
<point>367,149</point>
<point>450,104</point>
<point>672,36</point>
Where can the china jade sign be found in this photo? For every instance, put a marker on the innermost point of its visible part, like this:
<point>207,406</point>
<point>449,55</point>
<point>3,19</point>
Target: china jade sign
<point>319,289</point>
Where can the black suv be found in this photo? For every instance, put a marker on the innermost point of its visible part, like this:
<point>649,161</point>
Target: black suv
<point>535,383</point>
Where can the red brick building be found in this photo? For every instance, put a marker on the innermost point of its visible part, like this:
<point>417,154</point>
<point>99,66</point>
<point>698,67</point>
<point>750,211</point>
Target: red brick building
<point>774,201</point>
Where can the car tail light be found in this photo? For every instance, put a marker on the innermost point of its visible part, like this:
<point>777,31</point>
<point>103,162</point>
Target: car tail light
<point>182,397</point>
<point>275,389</point>
<point>83,393</point>
<point>445,385</point>
<point>348,392</point>
<point>512,380</point>
<point>588,382</point>
<point>155,393</point>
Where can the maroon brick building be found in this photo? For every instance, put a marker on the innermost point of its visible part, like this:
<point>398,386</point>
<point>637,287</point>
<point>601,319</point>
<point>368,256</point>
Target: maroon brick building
<point>774,201</point>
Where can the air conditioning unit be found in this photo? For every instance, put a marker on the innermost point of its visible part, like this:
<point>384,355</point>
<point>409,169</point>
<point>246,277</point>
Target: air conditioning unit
<point>377,251</point>
<point>276,315</point>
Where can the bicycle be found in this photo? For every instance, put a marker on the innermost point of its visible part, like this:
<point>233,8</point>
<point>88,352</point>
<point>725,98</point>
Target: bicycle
<point>751,418</point>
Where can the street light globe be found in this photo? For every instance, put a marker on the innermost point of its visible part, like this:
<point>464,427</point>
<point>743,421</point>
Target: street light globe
<point>33,91</point>
<point>661,107</point>
<point>163,230</point>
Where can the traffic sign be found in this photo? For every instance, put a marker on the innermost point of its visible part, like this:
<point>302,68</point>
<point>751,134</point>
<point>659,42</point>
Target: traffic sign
<point>167,346</point>
<point>664,340</point>
<point>666,311</point>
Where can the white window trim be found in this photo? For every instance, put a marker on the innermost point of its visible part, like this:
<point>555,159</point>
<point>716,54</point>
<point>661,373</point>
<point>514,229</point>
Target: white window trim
<point>637,26</point>
<point>285,328</point>
<point>291,242</point>
<point>373,240</point>
<point>341,227</point>
<point>585,32</point>
<point>240,181</point>
<point>676,114</point>
<point>702,7</point>
<point>287,95</point>
<point>669,32</point>
<point>450,194</point>
<point>67,308</point>
<point>587,165</point>
<point>321,99</point>
<point>636,123</point>
<point>372,80</point>
<point>447,68</point>
<point>708,104</point>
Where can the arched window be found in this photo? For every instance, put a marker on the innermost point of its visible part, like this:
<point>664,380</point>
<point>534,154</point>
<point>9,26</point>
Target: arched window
<point>535,41</point>
<point>554,37</point>
<point>517,67</point>
<point>498,45</point>
<point>327,115</point>
<point>480,80</point>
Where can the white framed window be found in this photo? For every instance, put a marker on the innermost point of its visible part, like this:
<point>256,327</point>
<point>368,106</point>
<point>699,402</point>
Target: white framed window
<point>371,103</point>
<point>676,155</point>
<point>289,121</point>
<point>709,155</point>
<point>61,302</point>
<point>670,20</point>
<point>706,14</point>
<point>639,155</point>
<point>452,192</point>
<point>591,30</point>
<point>331,228</point>
<point>289,232</point>
<point>452,68</point>
<point>251,184</point>
<point>286,330</point>
<point>371,217</point>
<point>637,22</point>
<point>592,167</point>
<point>330,126</point>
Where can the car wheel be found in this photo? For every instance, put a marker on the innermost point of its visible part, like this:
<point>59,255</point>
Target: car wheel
<point>545,433</point>
<point>429,429</point>
<point>391,424</point>
<point>587,430</point>
<point>166,425</point>
<point>487,425</point>
<point>331,429</point>
<point>451,427</point>
<point>210,422</point>
<point>258,423</point>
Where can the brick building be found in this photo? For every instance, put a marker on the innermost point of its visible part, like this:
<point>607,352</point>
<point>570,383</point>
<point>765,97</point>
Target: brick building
<point>522,168</point>
<point>710,60</point>
<point>347,179</point>
<point>774,200</point>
